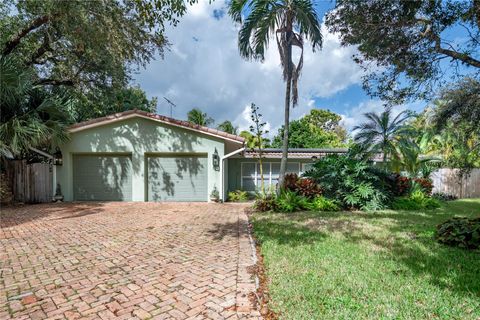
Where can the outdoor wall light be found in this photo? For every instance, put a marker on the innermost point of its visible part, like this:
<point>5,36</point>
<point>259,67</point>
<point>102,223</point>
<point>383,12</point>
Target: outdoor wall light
<point>216,160</point>
<point>314,158</point>
<point>58,158</point>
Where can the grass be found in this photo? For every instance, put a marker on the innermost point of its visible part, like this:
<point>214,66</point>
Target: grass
<point>382,265</point>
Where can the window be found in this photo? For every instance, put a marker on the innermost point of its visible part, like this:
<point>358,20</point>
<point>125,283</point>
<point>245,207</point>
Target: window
<point>251,179</point>
<point>306,167</point>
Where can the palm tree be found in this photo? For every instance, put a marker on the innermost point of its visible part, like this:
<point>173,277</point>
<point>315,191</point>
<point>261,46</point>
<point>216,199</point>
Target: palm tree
<point>196,116</point>
<point>412,156</point>
<point>381,133</point>
<point>31,117</point>
<point>228,127</point>
<point>290,21</point>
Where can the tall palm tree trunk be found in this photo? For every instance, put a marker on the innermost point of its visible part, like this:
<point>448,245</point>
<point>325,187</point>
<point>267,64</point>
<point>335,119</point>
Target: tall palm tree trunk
<point>288,90</point>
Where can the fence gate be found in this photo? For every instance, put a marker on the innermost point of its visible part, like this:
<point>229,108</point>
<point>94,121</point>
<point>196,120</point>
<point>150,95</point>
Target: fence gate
<point>31,183</point>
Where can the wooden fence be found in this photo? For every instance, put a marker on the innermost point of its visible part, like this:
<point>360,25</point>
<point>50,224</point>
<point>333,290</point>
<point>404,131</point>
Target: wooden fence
<point>30,183</point>
<point>448,181</point>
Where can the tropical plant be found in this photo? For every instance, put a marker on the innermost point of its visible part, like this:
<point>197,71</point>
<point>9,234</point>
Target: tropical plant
<point>251,141</point>
<point>290,201</point>
<point>417,199</point>
<point>381,133</point>
<point>305,187</point>
<point>291,21</point>
<point>460,232</point>
<point>228,127</point>
<point>413,160</point>
<point>265,202</point>
<point>353,182</point>
<point>31,117</point>
<point>237,196</point>
<point>196,116</point>
<point>321,203</point>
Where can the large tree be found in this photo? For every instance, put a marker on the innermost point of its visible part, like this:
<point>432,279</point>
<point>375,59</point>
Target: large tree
<point>318,129</point>
<point>414,47</point>
<point>291,21</point>
<point>77,58</point>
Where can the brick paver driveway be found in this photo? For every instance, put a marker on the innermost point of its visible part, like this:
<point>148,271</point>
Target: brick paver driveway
<point>125,260</point>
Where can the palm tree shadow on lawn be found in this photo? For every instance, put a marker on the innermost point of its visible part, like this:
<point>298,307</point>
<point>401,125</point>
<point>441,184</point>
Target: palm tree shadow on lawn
<point>400,236</point>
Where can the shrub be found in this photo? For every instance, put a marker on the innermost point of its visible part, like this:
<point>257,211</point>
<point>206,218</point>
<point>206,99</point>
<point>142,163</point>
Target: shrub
<point>265,202</point>
<point>308,188</point>
<point>402,185</point>
<point>444,196</point>
<point>290,201</point>
<point>321,203</point>
<point>416,201</point>
<point>426,185</point>
<point>290,181</point>
<point>353,182</point>
<point>237,196</point>
<point>460,232</point>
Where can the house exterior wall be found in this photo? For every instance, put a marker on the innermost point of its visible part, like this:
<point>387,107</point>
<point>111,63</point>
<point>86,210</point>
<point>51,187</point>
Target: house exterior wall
<point>234,170</point>
<point>138,137</point>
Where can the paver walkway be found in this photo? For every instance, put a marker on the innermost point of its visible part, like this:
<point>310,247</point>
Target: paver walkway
<point>125,261</point>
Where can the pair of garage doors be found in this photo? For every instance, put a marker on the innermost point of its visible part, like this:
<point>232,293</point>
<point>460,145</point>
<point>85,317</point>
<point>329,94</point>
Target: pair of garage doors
<point>109,178</point>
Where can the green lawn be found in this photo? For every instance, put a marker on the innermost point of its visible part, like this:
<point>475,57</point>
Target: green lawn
<point>383,265</point>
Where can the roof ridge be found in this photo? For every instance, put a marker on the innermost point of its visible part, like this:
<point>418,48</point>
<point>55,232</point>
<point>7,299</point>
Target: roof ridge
<point>155,116</point>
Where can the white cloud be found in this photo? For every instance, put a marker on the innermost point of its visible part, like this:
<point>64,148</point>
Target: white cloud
<point>204,69</point>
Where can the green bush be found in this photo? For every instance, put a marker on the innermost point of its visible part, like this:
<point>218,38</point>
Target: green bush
<point>459,232</point>
<point>265,202</point>
<point>354,183</point>
<point>416,201</point>
<point>237,196</point>
<point>290,201</point>
<point>323,204</point>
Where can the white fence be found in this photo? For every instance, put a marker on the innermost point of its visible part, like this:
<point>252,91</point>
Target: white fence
<point>448,181</point>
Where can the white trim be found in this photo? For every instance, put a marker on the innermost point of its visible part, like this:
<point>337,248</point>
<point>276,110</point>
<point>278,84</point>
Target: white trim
<point>222,171</point>
<point>128,116</point>
<point>269,173</point>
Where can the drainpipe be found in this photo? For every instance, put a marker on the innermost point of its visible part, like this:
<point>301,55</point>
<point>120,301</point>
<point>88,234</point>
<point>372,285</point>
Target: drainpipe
<point>222,180</point>
<point>54,169</point>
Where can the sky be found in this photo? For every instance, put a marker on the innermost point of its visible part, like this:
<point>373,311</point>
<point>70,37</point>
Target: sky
<point>203,69</point>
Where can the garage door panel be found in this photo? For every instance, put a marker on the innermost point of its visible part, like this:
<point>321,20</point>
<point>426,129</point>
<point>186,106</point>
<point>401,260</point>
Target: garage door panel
<point>177,178</point>
<point>102,178</point>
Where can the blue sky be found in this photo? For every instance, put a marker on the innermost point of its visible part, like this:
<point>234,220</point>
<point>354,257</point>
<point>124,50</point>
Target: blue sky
<point>203,69</point>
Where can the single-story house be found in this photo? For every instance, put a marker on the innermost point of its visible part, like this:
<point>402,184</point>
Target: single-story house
<point>141,156</point>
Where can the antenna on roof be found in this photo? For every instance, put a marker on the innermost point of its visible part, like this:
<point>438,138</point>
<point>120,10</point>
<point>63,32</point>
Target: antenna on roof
<point>171,106</point>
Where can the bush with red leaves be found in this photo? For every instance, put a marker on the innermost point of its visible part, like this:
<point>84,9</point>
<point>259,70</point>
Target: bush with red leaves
<point>305,187</point>
<point>403,185</point>
<point>290,181</point>
<point>308,188</point>
<point>426,185</point>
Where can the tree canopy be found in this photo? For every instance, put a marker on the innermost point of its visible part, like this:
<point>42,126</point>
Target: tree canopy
<point>76,57</point>
<point>227,126</point>
<point>408,43</point>
<point>318,129</point>
<point>197,116</point>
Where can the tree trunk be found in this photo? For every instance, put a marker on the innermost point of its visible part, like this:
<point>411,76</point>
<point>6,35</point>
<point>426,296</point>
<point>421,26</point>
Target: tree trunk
<point>283,162</point>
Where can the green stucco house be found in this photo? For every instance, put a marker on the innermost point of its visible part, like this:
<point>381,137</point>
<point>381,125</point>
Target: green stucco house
<point>140,156</point>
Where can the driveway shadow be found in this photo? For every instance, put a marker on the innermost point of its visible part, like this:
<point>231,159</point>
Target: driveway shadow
<point>16,215</point>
